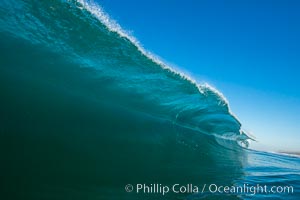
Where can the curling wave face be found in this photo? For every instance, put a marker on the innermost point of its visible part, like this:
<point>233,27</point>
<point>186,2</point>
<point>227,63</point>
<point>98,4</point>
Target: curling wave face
<point>91,40</point>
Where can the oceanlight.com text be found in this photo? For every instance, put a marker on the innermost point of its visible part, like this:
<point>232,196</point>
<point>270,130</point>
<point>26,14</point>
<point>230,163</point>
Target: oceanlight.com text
<point>162,189</point>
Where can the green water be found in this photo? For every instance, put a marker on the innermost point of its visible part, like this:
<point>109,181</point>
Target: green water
<point>85,112</point>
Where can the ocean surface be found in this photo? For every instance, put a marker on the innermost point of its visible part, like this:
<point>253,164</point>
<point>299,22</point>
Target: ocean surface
<point>86,110</point>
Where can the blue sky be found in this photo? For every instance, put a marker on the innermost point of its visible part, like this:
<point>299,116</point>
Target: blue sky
<point>249,50</point>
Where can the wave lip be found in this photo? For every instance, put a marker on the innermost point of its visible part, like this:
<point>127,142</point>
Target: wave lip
<point>188,104</point>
